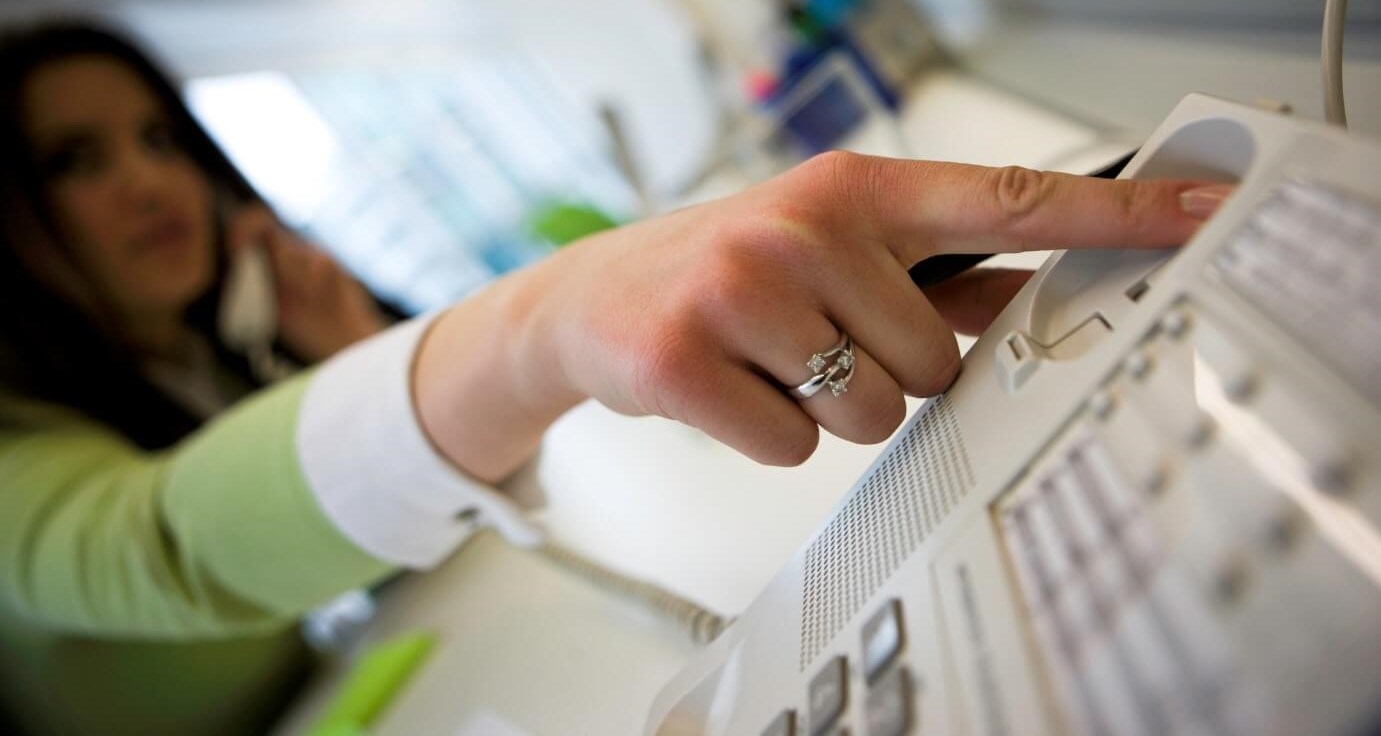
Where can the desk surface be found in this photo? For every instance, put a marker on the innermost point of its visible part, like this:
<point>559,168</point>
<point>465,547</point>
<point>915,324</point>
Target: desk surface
<point>525,645</point>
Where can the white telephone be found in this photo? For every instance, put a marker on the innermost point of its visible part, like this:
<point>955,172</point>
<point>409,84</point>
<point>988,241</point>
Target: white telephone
<point>1151,503</point>
<point>248,315</point>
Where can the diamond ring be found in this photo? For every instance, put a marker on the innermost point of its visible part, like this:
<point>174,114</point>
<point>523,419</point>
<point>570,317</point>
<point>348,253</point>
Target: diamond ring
<point>832,368</point>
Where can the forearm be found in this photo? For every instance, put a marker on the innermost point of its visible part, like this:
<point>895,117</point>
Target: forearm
<point>487,382</point>
<point>218,536</point>
<point>322,483</point>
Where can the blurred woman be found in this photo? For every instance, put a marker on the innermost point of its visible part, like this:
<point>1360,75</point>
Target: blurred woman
<point>119,218</point>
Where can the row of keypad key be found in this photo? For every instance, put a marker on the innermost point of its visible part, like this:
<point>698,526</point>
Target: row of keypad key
<point>887,704</point>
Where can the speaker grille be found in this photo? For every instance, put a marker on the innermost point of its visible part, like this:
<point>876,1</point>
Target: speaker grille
<point>906,496</point>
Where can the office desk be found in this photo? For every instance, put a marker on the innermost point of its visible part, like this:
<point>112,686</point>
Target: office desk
<point>526,646</point>
<point>547,651</point>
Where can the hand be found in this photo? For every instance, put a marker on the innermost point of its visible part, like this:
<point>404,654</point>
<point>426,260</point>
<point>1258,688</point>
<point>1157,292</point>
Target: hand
<point>707,314</point>
<point>321,309</point>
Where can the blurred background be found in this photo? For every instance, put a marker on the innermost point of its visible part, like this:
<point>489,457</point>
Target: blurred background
<point>433,145</point>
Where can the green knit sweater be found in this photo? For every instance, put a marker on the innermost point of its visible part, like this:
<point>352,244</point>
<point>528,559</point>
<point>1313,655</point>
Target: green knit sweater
<point>158,593</point>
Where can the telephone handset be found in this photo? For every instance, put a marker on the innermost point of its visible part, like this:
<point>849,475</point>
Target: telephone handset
<point>247,316</point>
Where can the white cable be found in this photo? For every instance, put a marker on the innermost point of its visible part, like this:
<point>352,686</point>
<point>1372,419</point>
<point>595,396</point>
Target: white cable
<point>1334,16</point>
<point>701,624</point>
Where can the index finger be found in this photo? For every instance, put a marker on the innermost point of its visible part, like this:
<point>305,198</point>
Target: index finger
<point>924,208</point>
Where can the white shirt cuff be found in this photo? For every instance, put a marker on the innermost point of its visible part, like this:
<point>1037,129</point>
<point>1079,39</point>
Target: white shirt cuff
<point>374,472</point>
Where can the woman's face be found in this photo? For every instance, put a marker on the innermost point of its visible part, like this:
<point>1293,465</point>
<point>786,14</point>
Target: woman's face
<point>133,205</point>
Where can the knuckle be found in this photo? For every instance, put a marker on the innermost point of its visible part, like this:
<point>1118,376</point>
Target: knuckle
<point>830,167</point>
<point>852,179</point>
<point>1016,191</point>
<point>664,370</point>
<point>1136,206</point>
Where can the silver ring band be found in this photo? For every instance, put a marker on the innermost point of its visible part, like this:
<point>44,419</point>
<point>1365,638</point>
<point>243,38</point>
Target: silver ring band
<point>833,368</point>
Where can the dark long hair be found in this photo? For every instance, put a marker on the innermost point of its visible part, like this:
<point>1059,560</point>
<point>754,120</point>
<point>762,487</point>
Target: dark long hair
<point>49,348</point>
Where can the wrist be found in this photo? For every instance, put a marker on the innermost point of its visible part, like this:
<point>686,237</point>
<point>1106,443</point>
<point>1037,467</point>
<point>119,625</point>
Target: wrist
<point>485,382</point>
<point>535,325</point>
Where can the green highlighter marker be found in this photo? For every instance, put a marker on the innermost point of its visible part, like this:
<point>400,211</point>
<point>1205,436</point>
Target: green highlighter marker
<point>373,682</point>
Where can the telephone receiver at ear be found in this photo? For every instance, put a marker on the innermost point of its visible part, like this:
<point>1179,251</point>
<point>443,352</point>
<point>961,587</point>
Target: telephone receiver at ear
<point>247,316</point>
<point>248,311</point>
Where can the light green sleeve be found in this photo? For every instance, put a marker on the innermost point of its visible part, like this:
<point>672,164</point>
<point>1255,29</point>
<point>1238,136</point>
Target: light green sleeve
<point>219,536</point>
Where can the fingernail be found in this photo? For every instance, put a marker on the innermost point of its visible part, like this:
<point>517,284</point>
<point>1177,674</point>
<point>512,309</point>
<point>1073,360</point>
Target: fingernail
<point>1201,202</point>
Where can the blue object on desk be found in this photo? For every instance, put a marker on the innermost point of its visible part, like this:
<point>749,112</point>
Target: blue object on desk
<point>824,120</point>
<point>837,107</point>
